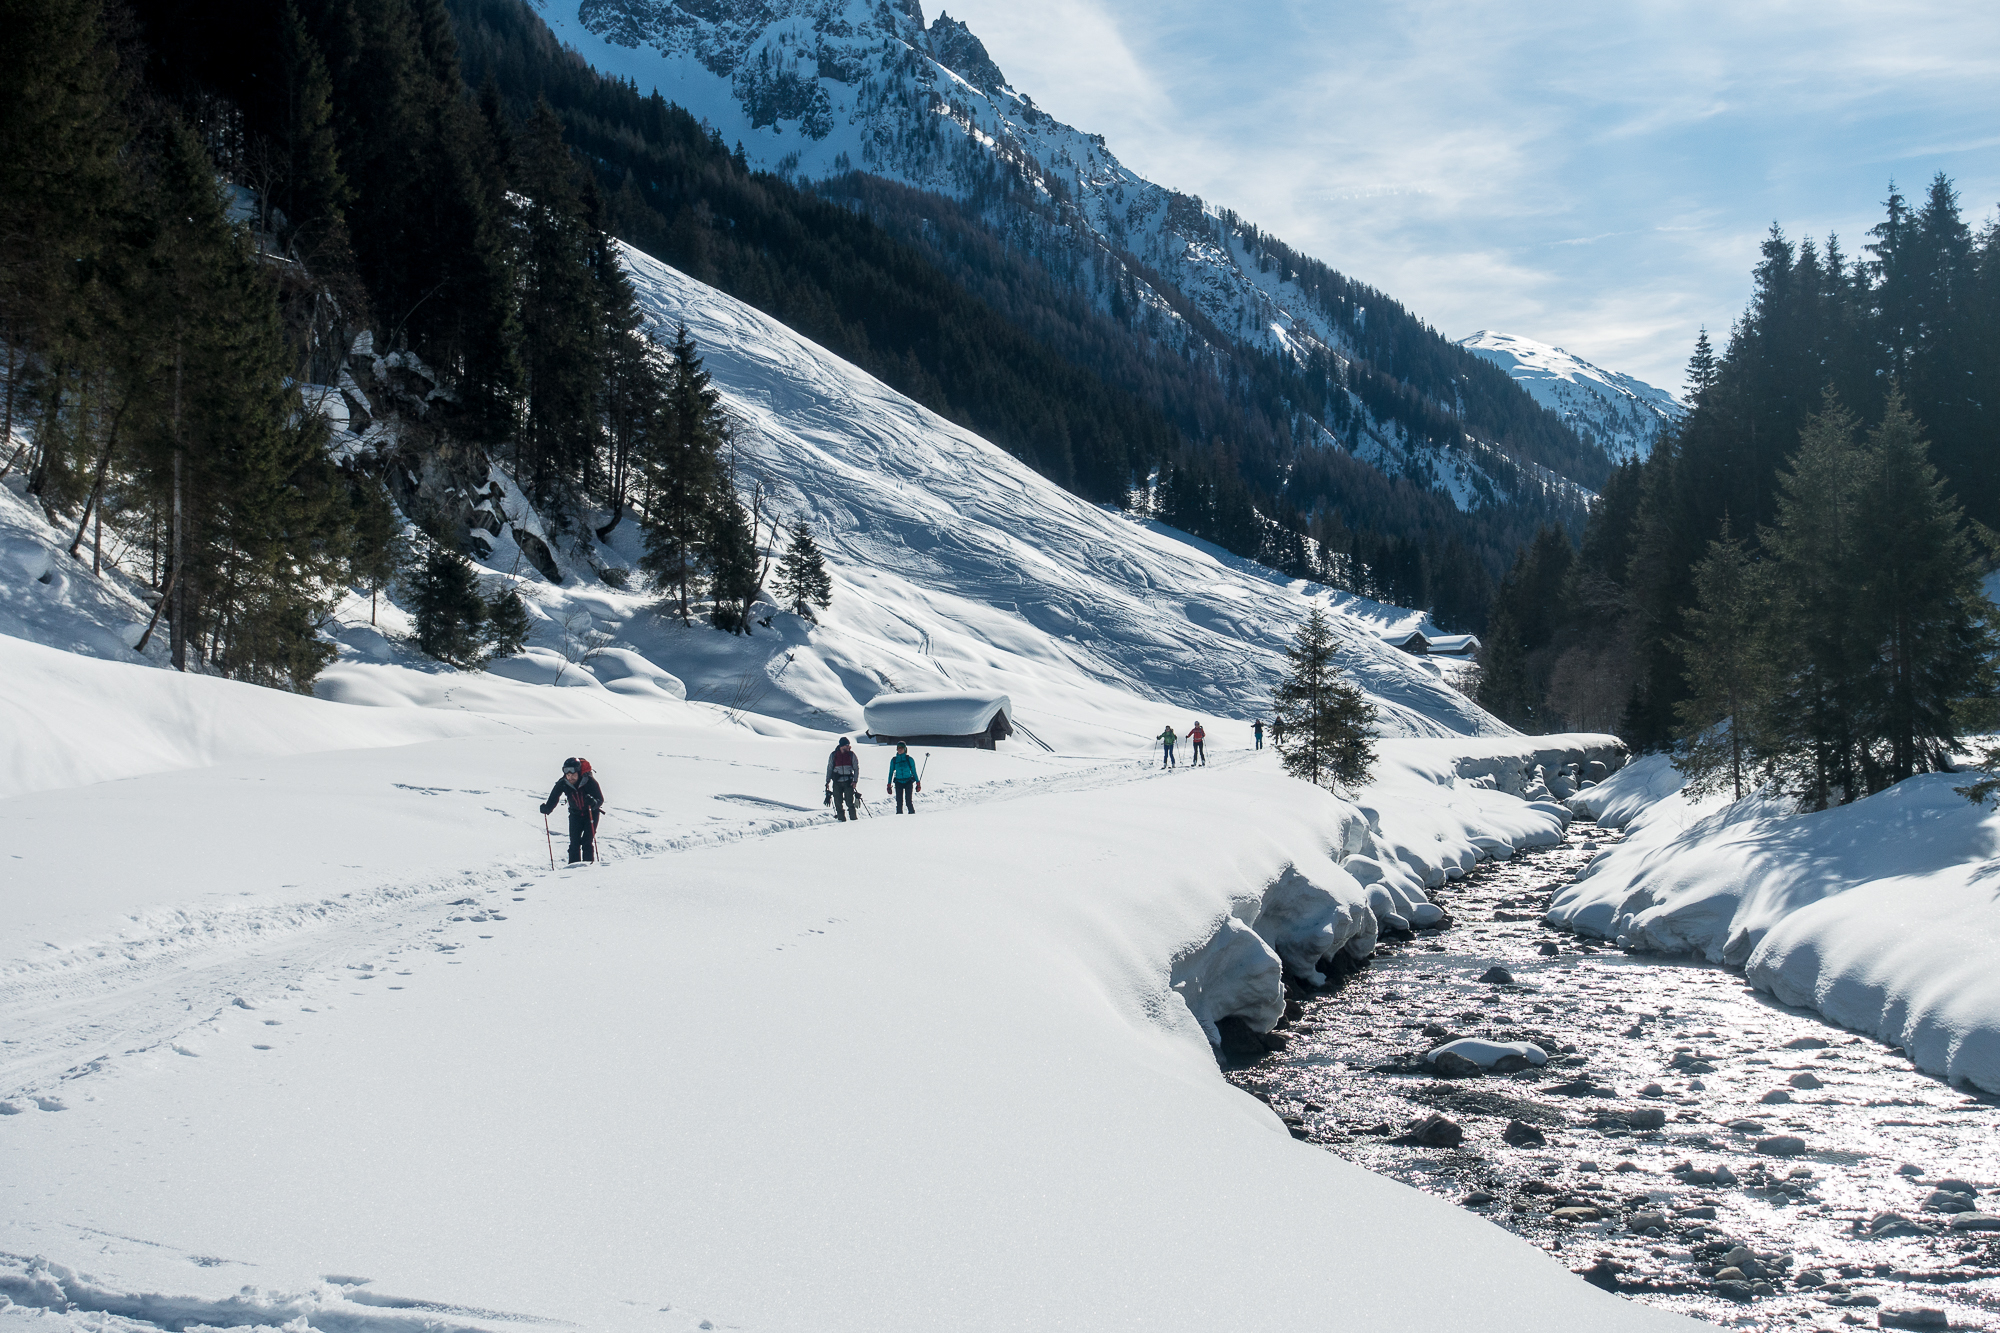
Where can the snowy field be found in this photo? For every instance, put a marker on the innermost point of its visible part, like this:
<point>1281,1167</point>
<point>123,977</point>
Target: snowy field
<point>319,1035</point>
<point>301,1030</point>
<point>1880,914</point>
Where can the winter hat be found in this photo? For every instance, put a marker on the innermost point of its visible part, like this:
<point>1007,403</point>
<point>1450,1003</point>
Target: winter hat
<point>843,741</point>
<point>571,766</point>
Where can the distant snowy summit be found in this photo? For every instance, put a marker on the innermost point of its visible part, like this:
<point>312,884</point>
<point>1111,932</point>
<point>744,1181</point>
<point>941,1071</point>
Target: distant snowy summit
<point>815,89</point>
<point>1621,415</point>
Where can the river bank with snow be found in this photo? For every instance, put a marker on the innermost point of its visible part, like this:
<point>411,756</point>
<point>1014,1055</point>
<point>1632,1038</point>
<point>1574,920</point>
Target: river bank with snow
<point>1691,1143</point>
<point>1880,914</point>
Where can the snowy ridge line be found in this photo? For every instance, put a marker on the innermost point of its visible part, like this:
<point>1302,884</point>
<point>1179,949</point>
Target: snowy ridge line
<point>1879,915</point>
<point>37,1283</point>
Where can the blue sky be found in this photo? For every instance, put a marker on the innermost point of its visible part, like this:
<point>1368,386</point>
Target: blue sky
<point>1594,176</point>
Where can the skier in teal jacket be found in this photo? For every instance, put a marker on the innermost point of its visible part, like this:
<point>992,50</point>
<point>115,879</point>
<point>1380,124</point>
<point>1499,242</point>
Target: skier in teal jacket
<point>903,781</point>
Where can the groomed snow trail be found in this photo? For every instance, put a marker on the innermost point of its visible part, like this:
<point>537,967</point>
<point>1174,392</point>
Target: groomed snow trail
<point>73,1010</point>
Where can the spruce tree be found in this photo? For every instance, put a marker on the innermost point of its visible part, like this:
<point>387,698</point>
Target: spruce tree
<point>1815,747</point>
<point>1729,678</point>
<point>1321,723</point>
<point>1923,626</point>
<point>803,583</point>
<point>735,570</point>
<point>559,316</point>
<point>450,613</point>
<point>507,624</point>
<point>683,477</point>
<point>377,549</point>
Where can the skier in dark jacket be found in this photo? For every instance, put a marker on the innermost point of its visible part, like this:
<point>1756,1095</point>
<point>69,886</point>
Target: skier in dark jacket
<point>843,775</point>
<point>585,799</point>
<point>903,780</point>
<point>1257,730</point>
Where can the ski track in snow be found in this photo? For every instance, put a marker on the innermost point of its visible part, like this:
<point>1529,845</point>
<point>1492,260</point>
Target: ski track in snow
<point>75,1012</point>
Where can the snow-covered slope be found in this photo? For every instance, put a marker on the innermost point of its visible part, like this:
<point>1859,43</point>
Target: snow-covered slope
<point>958,566</point>
<point>955,566</point>
<point>1621,415</point>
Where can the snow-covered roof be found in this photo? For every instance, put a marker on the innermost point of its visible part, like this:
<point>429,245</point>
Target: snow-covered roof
<point>1453,644</point>
<point>936,713</point>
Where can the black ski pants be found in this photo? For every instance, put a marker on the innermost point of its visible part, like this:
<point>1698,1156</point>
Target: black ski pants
<point>582,838</point>
<point>906,795</point>
<point>1197,753</point>
<point>845,806</point>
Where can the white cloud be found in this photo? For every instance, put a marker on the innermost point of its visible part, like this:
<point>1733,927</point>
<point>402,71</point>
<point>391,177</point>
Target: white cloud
<point>1445,151</point>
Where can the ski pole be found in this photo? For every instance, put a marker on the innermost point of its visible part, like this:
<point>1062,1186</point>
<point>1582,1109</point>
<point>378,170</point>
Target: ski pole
<point>551,839</point>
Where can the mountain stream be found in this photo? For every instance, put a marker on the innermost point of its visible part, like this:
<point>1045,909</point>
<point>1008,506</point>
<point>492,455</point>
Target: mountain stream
<point>1633,1156</point>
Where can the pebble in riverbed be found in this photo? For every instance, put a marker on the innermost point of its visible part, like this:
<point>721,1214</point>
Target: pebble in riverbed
<point>1598,1189</point>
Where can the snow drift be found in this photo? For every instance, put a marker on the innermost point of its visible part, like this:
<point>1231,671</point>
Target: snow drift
<point>1883,915</point>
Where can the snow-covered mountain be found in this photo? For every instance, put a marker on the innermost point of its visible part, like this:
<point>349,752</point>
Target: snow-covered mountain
<point>813,89</point>
<point>1621,415</point>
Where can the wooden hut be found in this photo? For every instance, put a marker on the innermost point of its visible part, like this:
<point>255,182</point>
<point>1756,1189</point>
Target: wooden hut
<point>974,719</point>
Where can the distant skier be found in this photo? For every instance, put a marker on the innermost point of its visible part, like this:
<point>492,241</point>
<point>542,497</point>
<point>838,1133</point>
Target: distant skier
<point>903,780</point>
<point>843,774</point>
<point>1257,730</point>
<point>1197,735</point>
<point>1167,739</point>
<point>586,799</point>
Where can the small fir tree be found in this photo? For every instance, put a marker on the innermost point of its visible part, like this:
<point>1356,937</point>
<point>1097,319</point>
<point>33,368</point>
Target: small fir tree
<point>736,572</point>
<point>450,613</point>
<point>684,477</point>
<point>1728,670</point>
<point>507,624</point>
<point>376,550</point>
<point>803,582</point>
<point>1320,722</point>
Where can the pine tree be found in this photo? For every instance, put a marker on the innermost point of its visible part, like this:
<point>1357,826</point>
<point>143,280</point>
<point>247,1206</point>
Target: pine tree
<point>1922,619</point>
<point>1819,559</point>
<point>313,192</point>
<point>507,624</point>
<point>450,613</point>
<point>683,477</point>
<point>1729,679</point>
<point>803,582</point>
<point>1321,723</point>
<point>736,577</point>
<point>559,316</point>
<point>377,549</point>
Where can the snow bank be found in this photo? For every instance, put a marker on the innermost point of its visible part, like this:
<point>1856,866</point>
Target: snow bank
<point>935,713</point>
<point>1884,915</point>
<point>1641,786</point>
<point>68,719</point>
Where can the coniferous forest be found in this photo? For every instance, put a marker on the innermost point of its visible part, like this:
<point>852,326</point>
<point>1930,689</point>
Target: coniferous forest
<point>1788,588</point>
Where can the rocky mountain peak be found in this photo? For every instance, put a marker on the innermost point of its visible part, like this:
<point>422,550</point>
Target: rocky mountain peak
<point>952,45</point>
